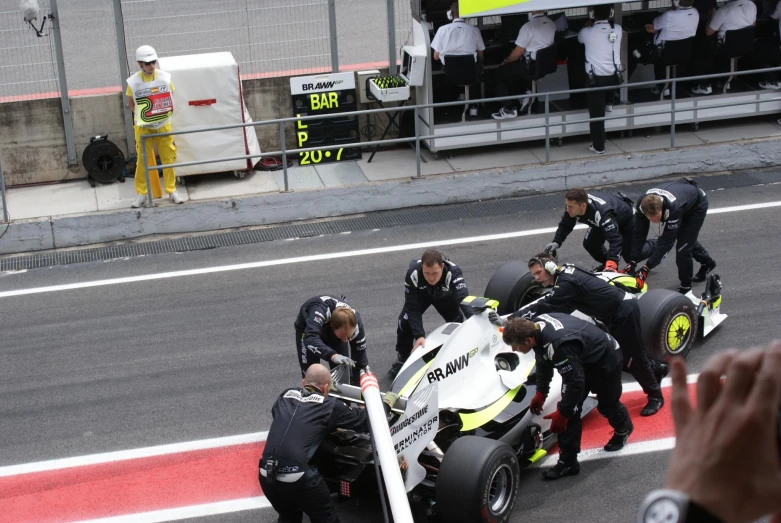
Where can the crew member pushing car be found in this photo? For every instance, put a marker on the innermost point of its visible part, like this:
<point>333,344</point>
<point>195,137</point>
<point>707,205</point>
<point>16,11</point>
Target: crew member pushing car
<point>588,360</point>
<point>609,218</point>
<point>302,419</point>
<point>431,280</point>
<point>681,208</point>
<point>329,329</point>
<point>576,289</point>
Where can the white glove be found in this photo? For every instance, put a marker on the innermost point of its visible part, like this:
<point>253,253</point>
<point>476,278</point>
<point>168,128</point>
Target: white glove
<point>551,247</point>
<point>494,318</point>
<point>343,360</point>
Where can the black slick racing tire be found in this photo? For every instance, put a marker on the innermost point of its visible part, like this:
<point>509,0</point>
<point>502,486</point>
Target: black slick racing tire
<point>513,286</point>
<point>669,324</point>
<point>478,481</point>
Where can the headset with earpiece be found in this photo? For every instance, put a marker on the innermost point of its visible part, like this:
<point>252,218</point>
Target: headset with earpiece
<point>550,266</point>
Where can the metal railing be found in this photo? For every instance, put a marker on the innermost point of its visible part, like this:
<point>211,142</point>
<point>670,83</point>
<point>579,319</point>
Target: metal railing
<point>284,152</point>
<point>2,194</point>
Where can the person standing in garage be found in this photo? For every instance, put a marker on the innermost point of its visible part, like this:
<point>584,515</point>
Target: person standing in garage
<point>431,280</point>
<point>576,289</point>
<point>588,360</point>
<point>602,39</point>
<point>150,98</point>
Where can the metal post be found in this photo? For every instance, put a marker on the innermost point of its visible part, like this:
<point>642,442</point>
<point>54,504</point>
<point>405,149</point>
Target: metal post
<point>66,105</point>
<point>547,127</point>
<point>391,37</point>
<point>146,169</point>
<point>284,153</point>
<point>417,141</point>
<point>124,74</point>
<point>332,30</point>
<point>672,115</point>
<point>2,195</point>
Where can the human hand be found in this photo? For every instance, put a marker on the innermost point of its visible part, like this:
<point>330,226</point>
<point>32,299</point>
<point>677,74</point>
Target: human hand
<point>641,276</point>
<point>552,247</point>
<point>629,268</point>
<point>739,412</point>
<point>494,318</point>
<point>558,421</point>
<point>537,402</point>
<point>418,343</point>
<point>342,360</point>
<point>389,398</point>
<point>611,266</point>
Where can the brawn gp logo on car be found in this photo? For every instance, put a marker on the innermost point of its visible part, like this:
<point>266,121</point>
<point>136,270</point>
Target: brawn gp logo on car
<point>451,368</point>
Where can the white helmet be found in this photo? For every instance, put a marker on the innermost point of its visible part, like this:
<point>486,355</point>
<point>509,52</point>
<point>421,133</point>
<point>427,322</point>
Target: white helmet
<point>146,53</point>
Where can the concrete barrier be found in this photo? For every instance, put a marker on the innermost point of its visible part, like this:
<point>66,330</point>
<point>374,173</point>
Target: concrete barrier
<point>275,208</point>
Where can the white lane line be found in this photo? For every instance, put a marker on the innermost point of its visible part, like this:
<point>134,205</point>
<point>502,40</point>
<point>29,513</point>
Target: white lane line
<point>193,511</point>
<point>633,386</point>
<point>187,446</point>
<point>631,449</point>
<point>283,261</point>
<point>123,455</point>
<point>331,256</point>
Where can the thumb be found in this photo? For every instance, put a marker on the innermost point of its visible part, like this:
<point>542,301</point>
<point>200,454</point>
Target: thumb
<point>549,416</point>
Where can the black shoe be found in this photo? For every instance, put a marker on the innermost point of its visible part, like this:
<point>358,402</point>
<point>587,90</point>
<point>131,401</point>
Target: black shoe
<point>684,290</point>
<point>598,268</point>
<point>661,370</point>
<point>395,368</point>
<point>618,440</point>
<point>562,469</point>
<point>702,274</point>
<point>653,406</point>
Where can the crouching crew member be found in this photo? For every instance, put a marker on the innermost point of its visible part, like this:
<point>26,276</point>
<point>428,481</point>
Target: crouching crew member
<point>610,218</point>
<point>576,289</point>
<point>588,360</point>
<point>431,280</point>
<point>302,418</point>
<point>329,329</point>
<point>681,208</point>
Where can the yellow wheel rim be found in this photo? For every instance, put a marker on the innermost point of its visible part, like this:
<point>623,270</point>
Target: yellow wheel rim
<point>678,332</point>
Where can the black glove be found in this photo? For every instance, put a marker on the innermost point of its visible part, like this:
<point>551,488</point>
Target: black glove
<point>494,318</point>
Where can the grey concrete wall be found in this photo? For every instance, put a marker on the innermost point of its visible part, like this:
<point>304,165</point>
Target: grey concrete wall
<point>32,137</point>
<point>226,213</point>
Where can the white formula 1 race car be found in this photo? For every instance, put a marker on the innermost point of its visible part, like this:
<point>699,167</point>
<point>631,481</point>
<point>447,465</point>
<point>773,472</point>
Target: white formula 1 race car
<point>462,425</point>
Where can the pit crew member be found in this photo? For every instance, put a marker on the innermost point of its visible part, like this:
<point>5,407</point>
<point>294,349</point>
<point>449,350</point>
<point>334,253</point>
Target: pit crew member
<point>328,328</point>
<point>610,218</point>
<point>588,360</point>
<point>574,288</point>
<point>431,280</point>
<point>680,207</point>
<point>302,418</point>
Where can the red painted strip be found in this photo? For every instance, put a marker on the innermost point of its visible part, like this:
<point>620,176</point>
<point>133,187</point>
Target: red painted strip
<point>127,487</point>
<point>211,475</point>
<point>596,430</point>
<point>199,103</point>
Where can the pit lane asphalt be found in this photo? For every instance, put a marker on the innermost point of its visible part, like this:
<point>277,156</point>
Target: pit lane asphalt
<point>140,364</point>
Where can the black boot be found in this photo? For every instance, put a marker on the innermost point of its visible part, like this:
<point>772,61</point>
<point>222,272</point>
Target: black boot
<point>618,440</point>
<point>569,468</point>
<point>702,274</point>
<point>653,406</point>
<point>395,368</point>
<point>684,290</point>
<point>660,371</point>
